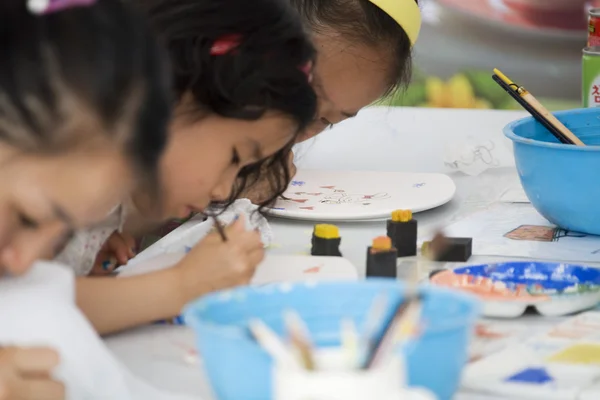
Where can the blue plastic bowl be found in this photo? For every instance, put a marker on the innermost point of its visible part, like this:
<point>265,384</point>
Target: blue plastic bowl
<point>240,369</point>
<point>561,181</point>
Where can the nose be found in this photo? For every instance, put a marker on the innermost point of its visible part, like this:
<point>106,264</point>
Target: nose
<point>27,246</point>
<point>223,190</point>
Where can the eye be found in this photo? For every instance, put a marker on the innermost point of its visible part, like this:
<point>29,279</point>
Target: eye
<point>235,157</point>
<point>328,124</point>
<point>27,222</point>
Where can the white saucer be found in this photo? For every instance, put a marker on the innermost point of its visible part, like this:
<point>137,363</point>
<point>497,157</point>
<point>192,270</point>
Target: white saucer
<point>361,195</point>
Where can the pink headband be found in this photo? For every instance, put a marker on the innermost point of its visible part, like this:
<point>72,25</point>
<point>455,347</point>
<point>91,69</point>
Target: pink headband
<point>43,7</point>
<point>228,43</point>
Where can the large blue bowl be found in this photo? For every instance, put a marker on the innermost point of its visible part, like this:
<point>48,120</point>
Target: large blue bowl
<point>561,181</point>
<point>239,369</point>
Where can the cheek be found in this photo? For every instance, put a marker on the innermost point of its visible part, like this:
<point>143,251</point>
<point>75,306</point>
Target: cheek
<point>7,226</point>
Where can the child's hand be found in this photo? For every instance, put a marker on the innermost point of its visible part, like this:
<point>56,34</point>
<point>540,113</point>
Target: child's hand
<point>214,265</point>
<point>26,374</point>
<point>118,249</point>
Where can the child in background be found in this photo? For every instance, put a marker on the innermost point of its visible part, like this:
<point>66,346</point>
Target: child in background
<point>364,52</point>
<point>84,105</point>
<point>242,81</point>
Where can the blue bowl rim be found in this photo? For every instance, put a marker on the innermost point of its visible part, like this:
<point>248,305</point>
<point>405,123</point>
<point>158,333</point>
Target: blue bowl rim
<point>191,319</point>
<point>510,128</point>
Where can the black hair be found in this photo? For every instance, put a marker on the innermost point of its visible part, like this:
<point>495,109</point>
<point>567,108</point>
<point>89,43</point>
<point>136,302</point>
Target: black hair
<point>65,73</point>
<point>262,74</point>
<point>361,21</point>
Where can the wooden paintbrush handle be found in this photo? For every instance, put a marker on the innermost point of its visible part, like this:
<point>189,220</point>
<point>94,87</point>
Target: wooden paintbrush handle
<point>553,120</point>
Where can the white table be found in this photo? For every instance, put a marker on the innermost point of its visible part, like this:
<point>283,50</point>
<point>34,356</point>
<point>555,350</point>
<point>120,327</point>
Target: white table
<point>379,139</point>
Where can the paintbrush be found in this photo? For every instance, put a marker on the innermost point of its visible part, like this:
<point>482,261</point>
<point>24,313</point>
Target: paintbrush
<point>218,226</point>
<point>551,128</point>
<point>299,338</point>
<point>350,342</point>
<point>384,347</point>
<point>374,320</point>
<point>541,111</point>
<point>272,344</point>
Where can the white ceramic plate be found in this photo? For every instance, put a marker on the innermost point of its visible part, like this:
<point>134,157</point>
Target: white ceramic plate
<point>279,269</point>
<point>353,195</point>
<point>273,269</point>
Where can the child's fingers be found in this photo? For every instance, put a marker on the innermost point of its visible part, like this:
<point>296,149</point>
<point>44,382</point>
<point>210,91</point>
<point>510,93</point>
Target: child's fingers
<point>236,227</point>
<point>122,254</point>
<point>255,257</point>
<point>31,360</point>
<point>130,243</point>
<point>39,389</point>
<point>121,246</point>
<point>249,241</point>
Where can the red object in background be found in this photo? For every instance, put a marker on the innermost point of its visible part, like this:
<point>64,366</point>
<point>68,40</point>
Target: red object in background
<point>594,30</point>
<point>563,14</point>
<point>531,15</point>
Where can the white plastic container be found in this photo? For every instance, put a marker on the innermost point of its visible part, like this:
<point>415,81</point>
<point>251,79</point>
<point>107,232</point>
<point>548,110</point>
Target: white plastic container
<point>334,380</point>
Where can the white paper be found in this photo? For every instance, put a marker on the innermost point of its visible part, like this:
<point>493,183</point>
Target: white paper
<point>473,156</point>
<point>38,309</point>
<point>490,228</point>
<point>514,195</point>
<point>190,233</point>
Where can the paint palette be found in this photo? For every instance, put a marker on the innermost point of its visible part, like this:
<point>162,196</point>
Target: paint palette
<point>563,363</point>
<point>507,289</point>
<point>330,196</point>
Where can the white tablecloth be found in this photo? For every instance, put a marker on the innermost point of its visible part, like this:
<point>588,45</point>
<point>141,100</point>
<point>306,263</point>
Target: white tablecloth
<point>378,139</point>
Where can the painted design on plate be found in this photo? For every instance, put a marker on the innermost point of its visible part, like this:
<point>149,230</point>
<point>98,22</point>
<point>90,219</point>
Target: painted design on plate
<point>297,183</point>
<point>523,281</point>
<point>484,287</point>
<point>537,376</point>
<point>361,195</point>
<point>583,354</point>
<point>336,197</point>
<point>340,197</point>
<point>313,270</point>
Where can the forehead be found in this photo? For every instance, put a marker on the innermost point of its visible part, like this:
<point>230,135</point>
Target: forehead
<point>84,185</point>
<point>352,75</point>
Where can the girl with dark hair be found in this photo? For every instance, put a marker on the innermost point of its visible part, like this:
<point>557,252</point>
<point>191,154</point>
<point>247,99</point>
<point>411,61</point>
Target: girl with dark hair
<point>242,83</point>
<point>84,107</point>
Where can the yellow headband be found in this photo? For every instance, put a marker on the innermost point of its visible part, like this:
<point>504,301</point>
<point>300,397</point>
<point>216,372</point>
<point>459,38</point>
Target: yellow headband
<point>406,13</point>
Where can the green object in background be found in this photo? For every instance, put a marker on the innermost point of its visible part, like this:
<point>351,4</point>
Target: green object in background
<point>591,77</point>
<point>469,89</point>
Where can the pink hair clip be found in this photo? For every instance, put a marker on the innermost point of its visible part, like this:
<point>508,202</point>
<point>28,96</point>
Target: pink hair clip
<point>307,69</point>
<point>42,7</point>
<point>225,44</point>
